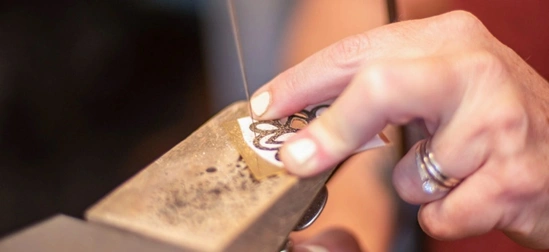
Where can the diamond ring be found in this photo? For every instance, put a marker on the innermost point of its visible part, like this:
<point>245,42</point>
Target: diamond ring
<point>432,178</point>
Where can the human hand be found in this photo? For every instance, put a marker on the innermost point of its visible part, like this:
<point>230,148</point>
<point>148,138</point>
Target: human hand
<point>484,107</point>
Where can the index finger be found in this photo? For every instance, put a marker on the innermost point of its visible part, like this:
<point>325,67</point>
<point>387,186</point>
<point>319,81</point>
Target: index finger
<point>325,74</point>
<point>388,92</point>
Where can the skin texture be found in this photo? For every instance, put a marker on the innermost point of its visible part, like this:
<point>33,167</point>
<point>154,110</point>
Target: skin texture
<point>485,108</point>
<point>365,178</point>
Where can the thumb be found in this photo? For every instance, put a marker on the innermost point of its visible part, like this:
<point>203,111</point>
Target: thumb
<point>333,240</point>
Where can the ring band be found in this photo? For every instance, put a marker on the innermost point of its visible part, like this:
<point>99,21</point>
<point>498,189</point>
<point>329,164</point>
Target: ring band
<point>432,178</point>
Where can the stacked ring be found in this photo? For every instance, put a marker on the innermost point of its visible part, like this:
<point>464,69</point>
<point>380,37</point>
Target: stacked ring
<point>433,180</point>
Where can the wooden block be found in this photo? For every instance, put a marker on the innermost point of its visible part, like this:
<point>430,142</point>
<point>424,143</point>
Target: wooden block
<point>200,196</point>
<point>64,233</point>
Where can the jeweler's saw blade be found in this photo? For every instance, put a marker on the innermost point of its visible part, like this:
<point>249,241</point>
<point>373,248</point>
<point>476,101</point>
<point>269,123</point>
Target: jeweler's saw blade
<point>251,160</point>
<point>236,36</point>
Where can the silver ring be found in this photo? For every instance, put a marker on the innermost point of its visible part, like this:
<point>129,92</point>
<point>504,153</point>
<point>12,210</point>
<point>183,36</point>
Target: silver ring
<point>432,178</point>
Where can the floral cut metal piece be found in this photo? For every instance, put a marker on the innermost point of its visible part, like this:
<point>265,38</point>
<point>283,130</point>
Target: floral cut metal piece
<point>266,137</point>
<point>271,134</point>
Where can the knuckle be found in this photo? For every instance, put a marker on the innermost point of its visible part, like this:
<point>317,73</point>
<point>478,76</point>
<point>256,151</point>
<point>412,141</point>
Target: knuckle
<point>343,53</point>
<point>487,65</point>
<point>373,79</point>
<point>465,22</point>
<point>509,126</point>
<point>509,119</point>
<point>376,85</point>
<point>487,70</point>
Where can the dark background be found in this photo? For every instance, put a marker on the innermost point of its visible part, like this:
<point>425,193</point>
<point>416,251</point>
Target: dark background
<point>90,93</point>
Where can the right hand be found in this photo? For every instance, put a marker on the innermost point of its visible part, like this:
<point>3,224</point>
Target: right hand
<point>486,109</point>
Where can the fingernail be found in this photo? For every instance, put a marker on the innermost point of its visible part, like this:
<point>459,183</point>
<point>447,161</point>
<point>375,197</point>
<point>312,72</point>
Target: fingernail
<point>314,248</point>
<point>260,102</point>
<point>301,151</point>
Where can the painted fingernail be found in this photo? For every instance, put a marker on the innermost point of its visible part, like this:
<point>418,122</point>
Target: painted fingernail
<point>301,152</point>
<point>260,102</point>
<point>314,248</point>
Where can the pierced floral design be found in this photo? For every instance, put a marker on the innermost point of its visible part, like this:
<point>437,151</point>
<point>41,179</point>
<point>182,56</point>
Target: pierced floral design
<point>271,134</point>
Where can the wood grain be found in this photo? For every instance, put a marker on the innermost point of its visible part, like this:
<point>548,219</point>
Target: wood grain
<point>200,196</point>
